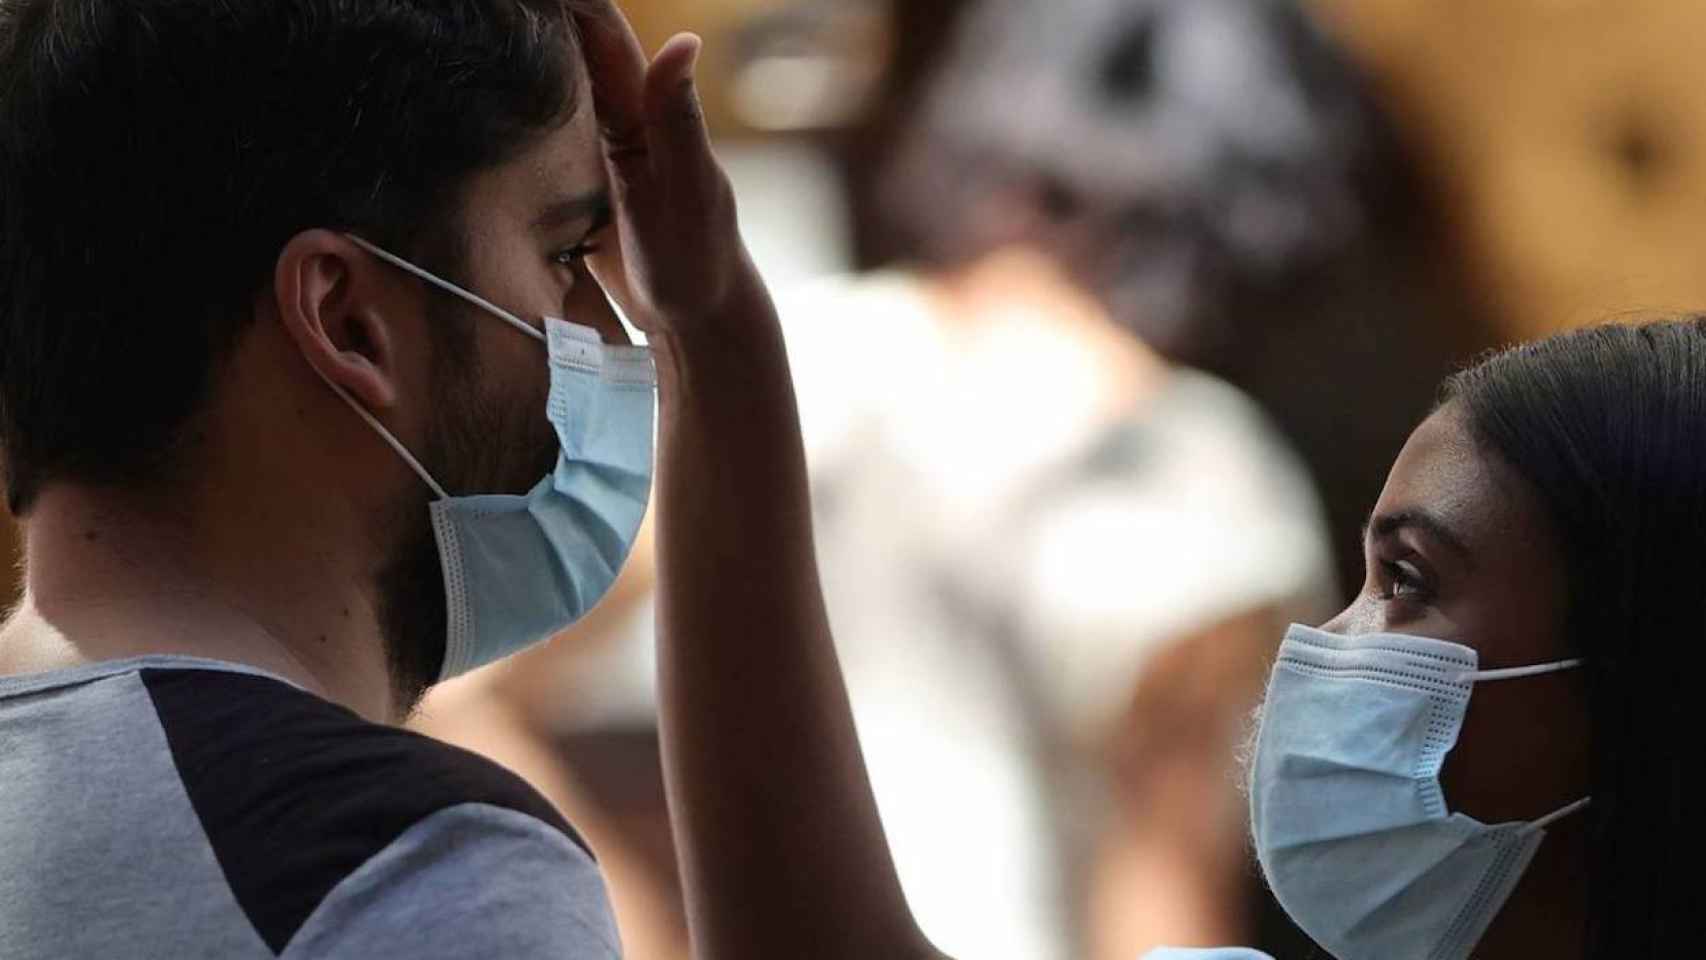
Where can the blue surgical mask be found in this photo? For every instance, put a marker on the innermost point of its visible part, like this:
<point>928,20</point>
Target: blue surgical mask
<point>518,569</point>
<point>1350,823</point>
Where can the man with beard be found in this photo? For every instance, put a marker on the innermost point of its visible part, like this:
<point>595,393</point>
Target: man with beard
<point>283,360</point>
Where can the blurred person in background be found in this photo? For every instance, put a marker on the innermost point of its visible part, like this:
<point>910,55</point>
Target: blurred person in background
<point>1221,179</point>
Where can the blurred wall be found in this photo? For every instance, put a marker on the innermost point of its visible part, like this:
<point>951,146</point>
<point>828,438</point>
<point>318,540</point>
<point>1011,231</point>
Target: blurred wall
<point>717,21</point>
<point>1571,136</point>
<point>658,20</point>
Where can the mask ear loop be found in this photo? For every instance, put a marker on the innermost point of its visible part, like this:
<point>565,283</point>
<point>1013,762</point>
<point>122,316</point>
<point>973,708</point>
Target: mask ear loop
<point>449,287</point>
<point>388,437</point>
<point>1514,673</point>
<point>1561,813</point>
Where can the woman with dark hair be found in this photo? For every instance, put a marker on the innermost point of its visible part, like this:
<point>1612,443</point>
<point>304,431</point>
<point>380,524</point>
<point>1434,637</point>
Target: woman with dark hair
<point>1476,756</point>
<point>1541,529</point>
<point>1479,754</point>
<point>1604,431</point>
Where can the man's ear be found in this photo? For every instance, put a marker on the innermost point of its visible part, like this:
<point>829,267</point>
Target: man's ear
<point>329,294</point>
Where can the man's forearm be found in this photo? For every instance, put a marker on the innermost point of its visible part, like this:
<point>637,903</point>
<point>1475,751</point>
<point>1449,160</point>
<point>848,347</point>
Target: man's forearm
<point>781,847</point>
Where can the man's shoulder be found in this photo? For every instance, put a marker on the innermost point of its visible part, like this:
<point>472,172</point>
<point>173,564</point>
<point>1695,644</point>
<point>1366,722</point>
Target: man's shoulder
<point>297,794</point>
<point>306,759</point>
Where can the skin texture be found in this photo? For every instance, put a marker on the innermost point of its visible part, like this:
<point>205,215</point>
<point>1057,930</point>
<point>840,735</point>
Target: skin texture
<point>279,459</point>
<point>1523,749</point>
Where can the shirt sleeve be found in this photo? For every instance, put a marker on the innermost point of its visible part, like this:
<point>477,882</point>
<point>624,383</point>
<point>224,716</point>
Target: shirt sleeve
<point>472,880</point>
<point>1213,953</point>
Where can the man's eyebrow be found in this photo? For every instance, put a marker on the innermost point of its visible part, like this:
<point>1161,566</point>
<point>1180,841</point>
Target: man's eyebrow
<point>593,205</point>
<point>1385,525</point>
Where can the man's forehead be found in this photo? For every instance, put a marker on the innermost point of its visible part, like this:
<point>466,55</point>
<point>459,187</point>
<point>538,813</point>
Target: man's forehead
<point>561,165</point>
<point>570,153</point>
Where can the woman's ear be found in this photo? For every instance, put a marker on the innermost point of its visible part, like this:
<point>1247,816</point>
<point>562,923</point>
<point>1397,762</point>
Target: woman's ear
<point>330,298</point>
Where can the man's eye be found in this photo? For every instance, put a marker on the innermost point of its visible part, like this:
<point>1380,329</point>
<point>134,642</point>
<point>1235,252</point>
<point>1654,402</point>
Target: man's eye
<point>575,254</point>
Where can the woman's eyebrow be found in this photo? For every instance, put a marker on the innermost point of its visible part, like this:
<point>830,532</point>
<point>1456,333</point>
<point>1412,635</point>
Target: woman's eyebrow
<point>1387,524</point>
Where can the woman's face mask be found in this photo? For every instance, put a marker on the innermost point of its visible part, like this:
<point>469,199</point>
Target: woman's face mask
<point>1351,825</point>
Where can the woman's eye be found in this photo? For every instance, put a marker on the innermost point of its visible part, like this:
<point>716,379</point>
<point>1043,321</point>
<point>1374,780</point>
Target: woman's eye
<point>1402,581</point>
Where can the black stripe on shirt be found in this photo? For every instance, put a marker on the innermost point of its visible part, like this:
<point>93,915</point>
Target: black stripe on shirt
<point>296,793</point>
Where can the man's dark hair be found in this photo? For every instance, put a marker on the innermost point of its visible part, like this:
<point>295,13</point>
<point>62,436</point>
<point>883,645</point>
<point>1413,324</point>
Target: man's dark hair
<point>1608,425</point>
<point>156,156</point>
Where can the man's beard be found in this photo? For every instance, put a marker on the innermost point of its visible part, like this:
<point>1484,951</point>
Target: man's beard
<point>477,443</point>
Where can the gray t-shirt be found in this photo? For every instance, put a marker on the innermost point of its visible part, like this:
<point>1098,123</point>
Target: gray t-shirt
<point>172,807</point>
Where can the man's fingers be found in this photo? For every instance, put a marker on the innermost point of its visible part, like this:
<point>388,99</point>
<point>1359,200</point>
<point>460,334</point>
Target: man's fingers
<point>617,66</point>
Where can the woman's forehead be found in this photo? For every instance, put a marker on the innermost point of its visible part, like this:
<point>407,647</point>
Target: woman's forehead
<point>1443,473</point>
<point>1485,532</point>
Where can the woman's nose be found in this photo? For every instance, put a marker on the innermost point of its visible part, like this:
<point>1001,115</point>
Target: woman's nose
<point>1358,618</point>
<point>1337,624</point>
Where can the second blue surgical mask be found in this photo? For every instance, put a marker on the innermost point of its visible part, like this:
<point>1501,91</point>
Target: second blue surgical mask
<point>1350,823</point>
